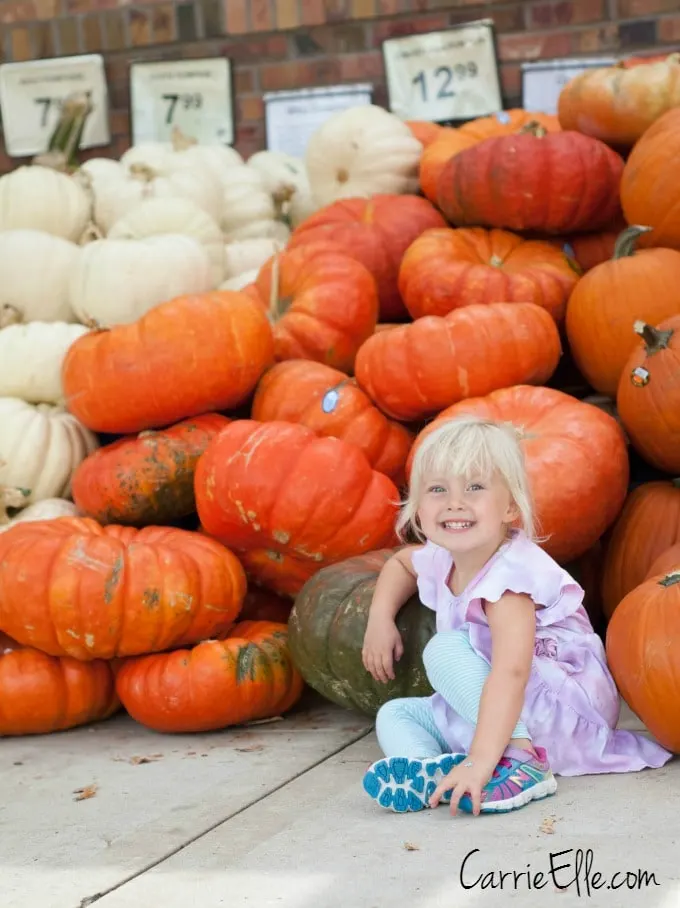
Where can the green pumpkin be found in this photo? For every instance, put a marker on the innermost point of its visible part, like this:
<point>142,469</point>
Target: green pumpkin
<point>326,633</point>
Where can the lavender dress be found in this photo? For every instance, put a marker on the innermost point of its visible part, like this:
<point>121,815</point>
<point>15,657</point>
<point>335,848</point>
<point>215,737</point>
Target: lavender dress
<point>571,705</point>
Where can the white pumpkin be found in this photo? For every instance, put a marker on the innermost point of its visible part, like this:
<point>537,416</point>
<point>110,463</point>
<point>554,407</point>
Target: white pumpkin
<point>31,357</point>
<point>248,255</point>
<point>156,217</point>
<point>240,280</point>
<point>40,447</point>
<point>246,203</point>
<point>360,152</point>
<point>48,509</point>
<point>118,281</point>
<point>286,180</point>
<point>35,269</point>
<point>39,198</point>
<point>183,152</point>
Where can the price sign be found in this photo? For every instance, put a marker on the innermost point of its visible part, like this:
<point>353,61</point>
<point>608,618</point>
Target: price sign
<point>192,95</point>
<point>542,82</point>
<point>292,116</point>
<point>449,75</point>
<point>31,95</point>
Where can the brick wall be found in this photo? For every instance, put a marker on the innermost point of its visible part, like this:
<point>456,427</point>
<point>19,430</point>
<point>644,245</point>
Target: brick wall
<point>278,44</point>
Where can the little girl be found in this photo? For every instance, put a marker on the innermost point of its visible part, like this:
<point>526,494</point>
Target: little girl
<point>521,680</point>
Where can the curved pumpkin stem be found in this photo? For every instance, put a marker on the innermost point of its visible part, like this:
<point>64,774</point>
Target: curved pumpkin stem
<point>625,242</point>
<point>11,498</point>
<point>10,315</point>
<point>142,172</point>
<point>655,339</point>
<point>533,128</point>
<point>180,141</point>
<point>65,140</point>
<point>670,579</point>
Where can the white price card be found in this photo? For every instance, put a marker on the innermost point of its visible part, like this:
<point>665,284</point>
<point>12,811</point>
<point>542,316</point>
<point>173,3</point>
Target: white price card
<point>194,96</point>
<point>31,95</point>
<point>543,81</point>
<point>291,117</point>
<point>448,75</point>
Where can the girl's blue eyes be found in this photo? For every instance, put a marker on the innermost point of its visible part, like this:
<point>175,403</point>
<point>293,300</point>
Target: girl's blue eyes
<point>473,487</point>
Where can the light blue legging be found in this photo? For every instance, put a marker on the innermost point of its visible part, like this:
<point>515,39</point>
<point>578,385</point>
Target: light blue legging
<point>406,727</point>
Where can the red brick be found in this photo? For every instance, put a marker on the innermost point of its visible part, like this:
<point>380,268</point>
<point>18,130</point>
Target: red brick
<point>47,9</point>
<point>139,27</point>
<point>389,7</point>
<point>261,15</point>
<point>362,9</point>
<point>299,74</point>
<point>593,40</point>
<point>507,19</point>
<point>402,28</point>
<point>236,16</point>
<point>113,26</point>
<point>632,9</point>
<point>669,29</point>
<point>537,46</point>
<point>92,34</point>
<point>312,12</point>
<point>68,36</point>
<point>361,67</point>
<point>346,38</point>
<point>21,45</point>
<point>250,107</point>
<point>244,80</point>
<point>287,13</point>
<point>17,11</point>
<point>511,80</point>
<point>119,122</point>
<point>163,24</point>
<point>564,12</point>
<point>252,49</point>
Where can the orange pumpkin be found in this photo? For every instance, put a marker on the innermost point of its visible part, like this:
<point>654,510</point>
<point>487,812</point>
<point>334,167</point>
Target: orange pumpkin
<point>278,493</point>
<point>245,676</point>
<point>376,232</point>
<point>415,370</point>
<point>586,443</point>
<point>647,526</point>
<point>648,396</point>
<point>148,478</point>
<point>446,269</point>
<point>667,562</point>
<point>331,404</point>
<point>610,298</point>
<point>617,104</point>
<point>591,249</point>
<point>40,694</point>
<point>425,131</point>
<point>70,587</point>
<point>192,355</point>
<point>322,303</point>
<point>643,653</point>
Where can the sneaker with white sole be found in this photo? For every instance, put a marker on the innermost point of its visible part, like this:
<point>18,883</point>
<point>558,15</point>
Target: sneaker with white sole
<point>519,778</point>
<point>404,785</point>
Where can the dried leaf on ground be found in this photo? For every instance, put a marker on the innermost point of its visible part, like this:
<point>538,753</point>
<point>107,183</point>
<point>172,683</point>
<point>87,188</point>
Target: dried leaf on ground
<point>136,761</point>
<point>251,748</point>
<point>264,721</point>
<point>409,846</point>
<point>84,793</point>
<point>548,826</point>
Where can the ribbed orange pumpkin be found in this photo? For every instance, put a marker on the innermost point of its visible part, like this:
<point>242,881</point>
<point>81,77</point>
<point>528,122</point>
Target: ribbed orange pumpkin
<point>70,587</point>
<point>425,131</point>
<point>247,675</point>
<point>146,479</point>
<point>591,249</point>
<point>416,370</point>
<point>40,694</point>
<point>331,404</point>
<point>284,497</point>
<point>376,232</point>
<point>648,396</point>
<point>647,526</point>
<point>192,355</point>
<point>323,304</point>
<point>586,443</point>
<point>446,269</point>
<point>643,653</point>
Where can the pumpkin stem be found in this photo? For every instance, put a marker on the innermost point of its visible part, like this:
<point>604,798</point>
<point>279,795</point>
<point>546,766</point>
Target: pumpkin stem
<point>142,172</point>
<point>533,128</point>
<point>625,242</point>
<point>670,579</point>
<point>65,140</point>
<point>93,324</point>
<point>180,141</point>
<point>91,233</point>
<point>11,498</point>
<point>10,315</point>
<point>654,338</point>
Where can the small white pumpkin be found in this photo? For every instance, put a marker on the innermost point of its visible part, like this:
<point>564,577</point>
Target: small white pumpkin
<point>31,358</point>
<point>156,217</point>
<point>35,269</point>
<point>39,198</point>
<point>286,180</point>
<point>48,509</point>
<point>248,255</point>
<point>240,280</point>
<point>246,202</point>
<point>40,447</point>
<point>118,281</point>
<point>183,152</point>
<point>362,151</point>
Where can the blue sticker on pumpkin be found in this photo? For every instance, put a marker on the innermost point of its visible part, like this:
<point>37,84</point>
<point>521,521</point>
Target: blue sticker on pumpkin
<point>503,117</point>
<point>330,401</point>
<point>568,249</point>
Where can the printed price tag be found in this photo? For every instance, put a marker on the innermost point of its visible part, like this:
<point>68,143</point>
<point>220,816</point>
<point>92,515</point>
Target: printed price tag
<point>543,81</point>
<point>449,75</point>
<point>193,95</point>
<point>31,95</point>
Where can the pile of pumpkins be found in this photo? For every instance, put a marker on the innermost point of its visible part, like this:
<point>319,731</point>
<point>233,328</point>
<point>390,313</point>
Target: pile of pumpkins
<point>214,374</point>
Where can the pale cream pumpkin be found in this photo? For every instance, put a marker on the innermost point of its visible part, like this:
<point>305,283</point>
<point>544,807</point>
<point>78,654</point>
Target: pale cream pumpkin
<point>248,255</point>
<point>361,152</point>
<point>39,198</point>
<point>183,152</point>
<point>31,357</point>
<point>48,509</point>
<point>239,281</point>
<point>118,281</point>
<point>40,447</point>
<point>248,209</point>
<point>286,181</point>
<point>35,269</point>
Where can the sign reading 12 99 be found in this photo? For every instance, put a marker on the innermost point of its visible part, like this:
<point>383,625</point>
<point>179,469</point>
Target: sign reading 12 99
<point>448,75</point>
<point>193,96</point>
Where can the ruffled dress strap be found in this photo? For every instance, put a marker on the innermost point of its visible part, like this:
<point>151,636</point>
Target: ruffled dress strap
<point>432,565</point>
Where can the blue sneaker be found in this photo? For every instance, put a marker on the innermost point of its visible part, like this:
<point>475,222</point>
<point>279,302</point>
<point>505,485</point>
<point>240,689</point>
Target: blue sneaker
<point>405,785</point>
<point>519,778</point>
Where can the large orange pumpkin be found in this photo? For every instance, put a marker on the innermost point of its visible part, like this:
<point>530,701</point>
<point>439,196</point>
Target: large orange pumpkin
<point>667,562</point>
<point>609,299</point>
<point>648,396</point>
<point>189,356</point>
<point>331,404</point>
<point>647,526</point>
<point>416,370</point>
<point>70,587</point>
<point>376,232</point>
<point>548,182</point>
<point>617,104</point>
<point>643,653</point>
<point>40,694</point>
<point>146,479</point>
<point>576,459</point>
<point>247,675</point>
<point>323,304</point>
<point>591,249</point>
<point>650,190</point>
<point>445,269</point>
<point>281,495</point>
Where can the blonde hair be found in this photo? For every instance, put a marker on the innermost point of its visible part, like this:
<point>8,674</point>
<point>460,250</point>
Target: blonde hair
<point>469,446</point>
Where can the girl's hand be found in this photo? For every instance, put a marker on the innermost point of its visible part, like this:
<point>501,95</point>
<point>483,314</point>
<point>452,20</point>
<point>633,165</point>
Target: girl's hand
<point>463,779</point>
<point>382,645</point>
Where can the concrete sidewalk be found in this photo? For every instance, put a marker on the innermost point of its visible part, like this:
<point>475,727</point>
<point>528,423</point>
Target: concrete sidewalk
<point>274,815</point>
